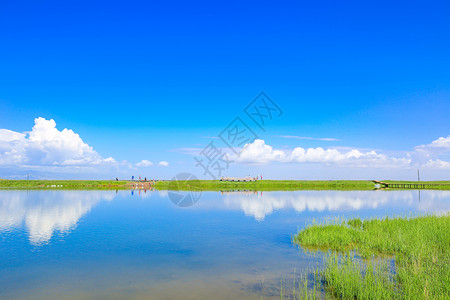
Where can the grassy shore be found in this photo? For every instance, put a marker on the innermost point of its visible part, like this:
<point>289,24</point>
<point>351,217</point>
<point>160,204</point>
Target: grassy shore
<point>279,185</point>
<point>65,184</point>
<point>267,185</point>
<point>418,246</point>
<point>204,185</point>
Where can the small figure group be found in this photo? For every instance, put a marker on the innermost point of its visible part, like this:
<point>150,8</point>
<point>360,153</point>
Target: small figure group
<point>140,178</point>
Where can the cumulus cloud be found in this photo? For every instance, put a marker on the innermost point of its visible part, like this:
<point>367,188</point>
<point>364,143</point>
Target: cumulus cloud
<point>163,163</point>
<point>45,145</point>
<point>428,154</point>
<point>47,150</point>
<point>439,146</point>
<point>437,164</point>
<point>258,152</point>
<point>144,163</point>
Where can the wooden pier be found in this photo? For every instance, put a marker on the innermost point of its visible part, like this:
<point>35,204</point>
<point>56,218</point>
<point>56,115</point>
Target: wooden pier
<point>410,185</point>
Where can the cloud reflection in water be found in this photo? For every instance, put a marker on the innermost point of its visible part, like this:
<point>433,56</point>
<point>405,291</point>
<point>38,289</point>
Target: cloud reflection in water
<point>44,212</point>
<point>259,206</point>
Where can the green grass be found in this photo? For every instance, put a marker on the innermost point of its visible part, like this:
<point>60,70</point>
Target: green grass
<point>204,185</point>
<point>64,184</point>
<point>347,277</point>
<point>267,185</point>
<point>419,246</point>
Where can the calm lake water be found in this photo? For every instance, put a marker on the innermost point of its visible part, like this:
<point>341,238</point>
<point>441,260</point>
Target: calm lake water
<point>115,245</point>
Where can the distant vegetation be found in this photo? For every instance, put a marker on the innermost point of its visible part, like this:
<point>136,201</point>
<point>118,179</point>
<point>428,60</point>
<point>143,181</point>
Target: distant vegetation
<point>399,258</point>
<point>64,184</point>
<point>203,185</point>
<point>278,185</point>
<point>267,185</point>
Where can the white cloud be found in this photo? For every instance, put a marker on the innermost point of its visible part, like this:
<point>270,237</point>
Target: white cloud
<point>144,163</point>
<point>423,156</point>
<point>437,164</point>
<point>258,152</point>
<point>163,163</point>
<point>45,145</point>
<point>47,151</point>
<point>441,145</point>
<point>188,150</point>
<point>428,154</point>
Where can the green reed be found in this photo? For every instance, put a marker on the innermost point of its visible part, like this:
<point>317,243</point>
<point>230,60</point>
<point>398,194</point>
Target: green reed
<point>389,258</point>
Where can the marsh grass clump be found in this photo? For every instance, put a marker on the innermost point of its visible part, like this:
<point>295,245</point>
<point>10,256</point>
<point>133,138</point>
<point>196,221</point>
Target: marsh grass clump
<point>303,287</point>
<point>418,246</point>
<point>348,277</point>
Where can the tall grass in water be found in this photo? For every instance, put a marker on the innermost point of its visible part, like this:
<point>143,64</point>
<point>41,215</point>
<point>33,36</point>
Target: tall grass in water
<point>419,247</point>
<point>302,288</point>
<point>348,277</point>
<point>296,288</point>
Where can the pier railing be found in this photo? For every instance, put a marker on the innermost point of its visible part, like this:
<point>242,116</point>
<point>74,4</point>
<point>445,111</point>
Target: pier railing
<point>410,185</point>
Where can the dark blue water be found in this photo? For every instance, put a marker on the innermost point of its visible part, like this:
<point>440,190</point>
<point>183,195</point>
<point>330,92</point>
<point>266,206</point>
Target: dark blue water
<point>115,245</point>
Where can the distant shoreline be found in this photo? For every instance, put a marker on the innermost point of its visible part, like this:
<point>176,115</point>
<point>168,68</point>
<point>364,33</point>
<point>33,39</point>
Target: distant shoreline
<point>74,184</point>
<point>206,185</point>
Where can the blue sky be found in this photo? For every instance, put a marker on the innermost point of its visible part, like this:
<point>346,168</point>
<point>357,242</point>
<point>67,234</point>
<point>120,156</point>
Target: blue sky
<point>146,81</point>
